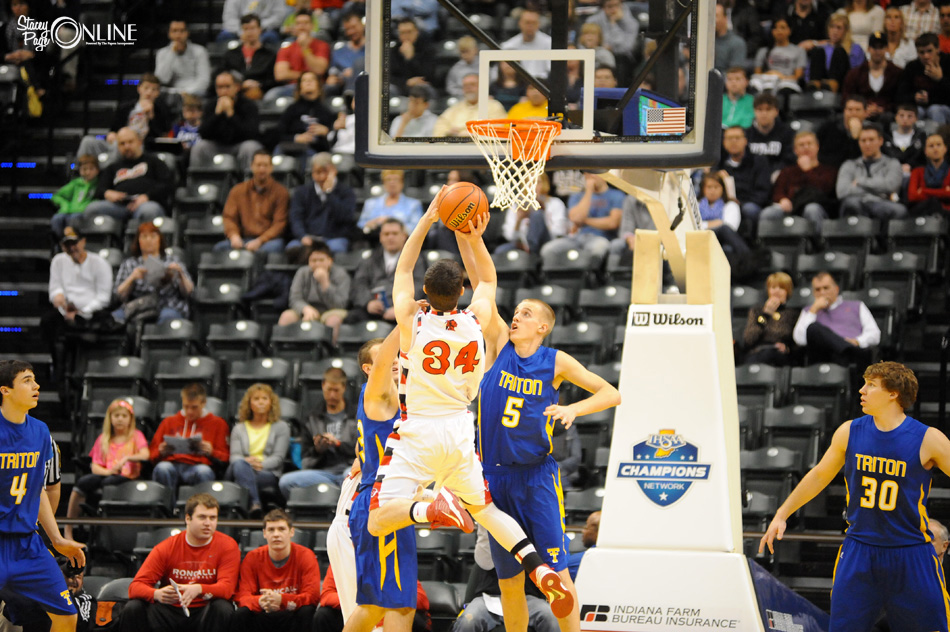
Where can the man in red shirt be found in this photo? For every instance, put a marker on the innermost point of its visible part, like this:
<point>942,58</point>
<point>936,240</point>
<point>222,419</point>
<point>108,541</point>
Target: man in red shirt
<point>280,582</point>
<point>306,52</point>
<point>193,466</point>
<point>197,571</point>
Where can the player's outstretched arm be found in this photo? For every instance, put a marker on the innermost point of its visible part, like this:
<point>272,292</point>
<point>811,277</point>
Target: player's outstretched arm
<point>483,298</point>
<point>603,395</point>
<point>404,291</point>
<point>935,450</point>
<point>496,329</point>
<point>379,395</point>
<point>810,486</point>
<point>70,548</point>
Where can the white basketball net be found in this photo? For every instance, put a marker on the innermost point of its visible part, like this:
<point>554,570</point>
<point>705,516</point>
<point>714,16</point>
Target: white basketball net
<point>516,151</point>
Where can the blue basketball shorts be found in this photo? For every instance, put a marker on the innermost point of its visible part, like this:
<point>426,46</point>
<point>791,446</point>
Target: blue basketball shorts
<point>906,581</point>
<point>28,569</point>
<point>533,497</point>
<point>386,570</point>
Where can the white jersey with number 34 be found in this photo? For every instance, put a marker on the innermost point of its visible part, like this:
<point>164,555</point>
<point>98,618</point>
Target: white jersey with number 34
<point>445,363</point>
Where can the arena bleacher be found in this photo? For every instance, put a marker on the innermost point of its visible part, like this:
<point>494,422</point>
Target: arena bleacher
<point>899,269</point>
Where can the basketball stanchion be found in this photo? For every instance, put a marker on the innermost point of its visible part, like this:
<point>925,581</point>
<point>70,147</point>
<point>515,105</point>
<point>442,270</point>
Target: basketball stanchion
<point>516,151</point>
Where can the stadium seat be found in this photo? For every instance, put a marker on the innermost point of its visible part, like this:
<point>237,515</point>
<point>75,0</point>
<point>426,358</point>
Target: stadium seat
<point>790,234</point>
<point>165,341</point>
<point>923,236</point>
<point>301,341</point>
<point>230,266</point>
<point>842,266</point>
<point>749,427</point>
<point>274,372</point>
<point>745,298</point>
<point>197,200</point>
<point>116,590</point>
<point>236,340</point>
<point>798,427</point>
<point>882,303</point>
<point>223,171</point>
<point>351,337</point>
<point>233,499</point>
<point>286,171</point>
<point>113,256</point>
<point>100,231</point>
<point>760,385</point>
<point>899,271</point>
<point>825,386</point>
<point>115,376</point>
<point>167,226</point>
<point>351,260</point>
<point>583,340</point>
<point>310,380</point>
<point>607,305</point>
<point>779,261</point>
<point>435,551</point>
<point>853,235</point>
<point>135,499</point>
<point>580,504</point>
<point>172,375</point>
<point>145,541</point>
<point>515,269</point>
<point>92,584</point>
<point>444,606</point>
<point>771,460</point>
<point>619,269</point>
<point>216,302</point>
<point>560,299</point>
<point>801,297</point>
<point>574,269</point>
<point>317,502</point>
<point>202,233</point>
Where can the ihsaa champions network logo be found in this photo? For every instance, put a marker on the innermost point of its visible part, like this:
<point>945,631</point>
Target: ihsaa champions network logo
<point>665,466</point>
<point>66,32</point>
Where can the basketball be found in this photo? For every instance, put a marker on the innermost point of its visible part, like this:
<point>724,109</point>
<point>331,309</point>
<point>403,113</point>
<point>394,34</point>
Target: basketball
<point>460,203</point>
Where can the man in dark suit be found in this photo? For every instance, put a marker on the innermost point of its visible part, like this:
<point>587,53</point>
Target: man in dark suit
<point>322,209</point>
<point>372,287</point>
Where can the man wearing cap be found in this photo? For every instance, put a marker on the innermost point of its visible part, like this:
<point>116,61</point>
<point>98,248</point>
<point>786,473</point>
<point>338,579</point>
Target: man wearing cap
<point>324,208</point>
<point>878,72</point>
<point>80,288</point>
<point>136,185</point>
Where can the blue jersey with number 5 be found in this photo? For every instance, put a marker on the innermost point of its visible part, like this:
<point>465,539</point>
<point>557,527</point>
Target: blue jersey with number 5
<point>24,450</point>
<point>512,427</point>
<point>887,485</point>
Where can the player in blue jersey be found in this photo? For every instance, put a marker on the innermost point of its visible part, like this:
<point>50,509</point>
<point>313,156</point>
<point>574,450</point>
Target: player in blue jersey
<point>887,559</point>
<point>27,568</point>
<point>386,569</point>
<point>517,412</point>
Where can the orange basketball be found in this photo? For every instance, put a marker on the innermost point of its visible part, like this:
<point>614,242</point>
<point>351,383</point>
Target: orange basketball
<point>460,203</point>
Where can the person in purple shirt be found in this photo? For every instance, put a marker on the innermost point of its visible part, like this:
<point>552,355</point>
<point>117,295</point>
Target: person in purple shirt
<point>833,329</point>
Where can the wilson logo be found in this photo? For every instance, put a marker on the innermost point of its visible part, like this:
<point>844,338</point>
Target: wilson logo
<point>643,319</point>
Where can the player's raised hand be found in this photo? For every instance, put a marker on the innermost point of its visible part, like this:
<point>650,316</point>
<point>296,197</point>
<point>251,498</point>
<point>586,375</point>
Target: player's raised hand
<point>775,531</point>
<point>432,213</point>
<point>476,228</point>
<point>72,550</point>
<point>564,414</point>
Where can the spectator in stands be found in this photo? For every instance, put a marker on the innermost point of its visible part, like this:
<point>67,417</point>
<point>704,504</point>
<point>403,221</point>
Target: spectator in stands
<point>806,21</point>
<point>595,217</point>
<point>280,582</point>
<point>466,65</point>
<point>928,191</point>
<point>830,61</point>
<point>875,80</point>
<point>865,17</point>
<point>202,562</point>
<point>117,457</point>
<point>26,54</point>
<point>720,214</point>
<point>768,136</point>
<point>531,38</point>
<point>752,174</point>
<point>508,86</point>
<point>86,606</point>
<point>534,105</point>
<point>452,121</point>
<point>737,102</point>
<point>730,48</point>
<point>767,338</point>
<point>328,440</point>
<point>900,49</point>
<point>781,67</point>
<point>926,80</point>
<point>187,130</point>
<point>320,20</point>
<point>152,280</point>
<point>833,329</point>
<point>259,443</point>
<point>411,63</point>
<point>940,540</point>
<point>392,204</point>
<point>589,540</point>
<point>592,37</point>
<point>944,34</point>
<point>424,13</point>
<point>372,288</point>
<point>920,16</point>
<point>183,66</point>
<point>528,229</point>
<point>254,61</point>
<point>605,78</point>
<point>319,291</point>
<point>207,449</point>
<point>80,288</point>
<point>904,141</point>
<point>323,209</point>
<point>270,15</point>
<point>870,185</point>
<point>840,134</point>
<point>635,215</point>
<point>305,124</point>
<point>255,214</point>
<point>75,196</point>
<point>229,124</point>
<point>806,188</point>
<point>348,60</point>
<point>478,615</point>
<point>620,30</point>
<point>137,184</point>
<point>305,53</point>
<point>417,120</point>
<point>147,115</point>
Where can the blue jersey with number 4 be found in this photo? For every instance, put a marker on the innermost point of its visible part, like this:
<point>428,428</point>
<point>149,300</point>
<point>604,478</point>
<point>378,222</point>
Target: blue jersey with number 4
<point>24,450</point>
<point>512,427</point>
<point>887,485</point>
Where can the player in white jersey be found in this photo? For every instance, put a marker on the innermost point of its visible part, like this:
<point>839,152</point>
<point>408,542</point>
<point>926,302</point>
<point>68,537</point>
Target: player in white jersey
<point>443,360</point>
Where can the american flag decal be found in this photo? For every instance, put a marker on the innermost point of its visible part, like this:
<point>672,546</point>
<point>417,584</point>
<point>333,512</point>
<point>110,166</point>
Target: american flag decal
<point>666,121</point>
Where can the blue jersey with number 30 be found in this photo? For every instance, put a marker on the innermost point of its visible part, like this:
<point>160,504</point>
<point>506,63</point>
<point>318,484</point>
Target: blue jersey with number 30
<point>887,485</point>
<point>512,427</point>
<point>24,450</point>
